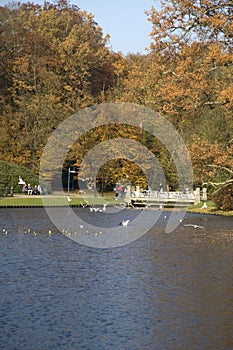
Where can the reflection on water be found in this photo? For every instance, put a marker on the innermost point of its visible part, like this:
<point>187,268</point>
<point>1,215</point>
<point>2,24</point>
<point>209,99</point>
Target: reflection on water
<point>163,291</point>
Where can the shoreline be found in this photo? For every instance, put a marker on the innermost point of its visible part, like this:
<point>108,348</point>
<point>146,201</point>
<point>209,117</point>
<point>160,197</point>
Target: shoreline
<point>61,200</point>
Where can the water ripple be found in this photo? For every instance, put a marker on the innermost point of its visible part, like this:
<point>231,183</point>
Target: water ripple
<point>161,292</point>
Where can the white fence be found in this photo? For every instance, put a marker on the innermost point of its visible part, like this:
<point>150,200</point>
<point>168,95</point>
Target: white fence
<point>164,194</point>
<point>168,197</point>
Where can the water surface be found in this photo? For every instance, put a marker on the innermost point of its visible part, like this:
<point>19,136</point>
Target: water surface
<point>162,292</point>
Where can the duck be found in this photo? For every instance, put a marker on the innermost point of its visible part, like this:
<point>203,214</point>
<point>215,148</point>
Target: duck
<point>125,222</point>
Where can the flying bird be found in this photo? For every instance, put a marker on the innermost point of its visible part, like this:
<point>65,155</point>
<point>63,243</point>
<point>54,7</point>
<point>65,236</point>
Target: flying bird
<point>195,226</point>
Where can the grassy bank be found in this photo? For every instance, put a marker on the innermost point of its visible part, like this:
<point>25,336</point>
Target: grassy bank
<point>37,201</point>
<point>33,202</point>
<point>211,209</point>
<point>56,200</point>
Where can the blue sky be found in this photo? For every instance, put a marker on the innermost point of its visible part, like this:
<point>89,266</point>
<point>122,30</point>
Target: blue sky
<point>124,20</point>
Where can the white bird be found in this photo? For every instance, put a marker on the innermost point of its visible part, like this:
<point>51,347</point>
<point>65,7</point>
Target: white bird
<point>125,222</point>
<point>195,226</point>
<point>21,182</point>
<point>68,198</point>
<point>104,206</point>
<point>204,206</point>
<point>96,209</point>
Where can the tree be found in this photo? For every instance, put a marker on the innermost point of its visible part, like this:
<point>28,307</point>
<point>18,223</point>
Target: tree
<point>181,22</point>
<point>54,62</point>
<point>187,76</point>
<point>194,39</point>
<point>212,163</point>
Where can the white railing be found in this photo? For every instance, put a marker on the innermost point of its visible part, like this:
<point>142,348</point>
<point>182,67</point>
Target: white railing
<point>164,195</point>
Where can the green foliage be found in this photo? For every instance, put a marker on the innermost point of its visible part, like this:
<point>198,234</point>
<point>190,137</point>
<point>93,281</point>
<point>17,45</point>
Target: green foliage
<point>9,176</point>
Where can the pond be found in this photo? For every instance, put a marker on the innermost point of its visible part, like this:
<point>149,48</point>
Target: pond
<point>163,291</point>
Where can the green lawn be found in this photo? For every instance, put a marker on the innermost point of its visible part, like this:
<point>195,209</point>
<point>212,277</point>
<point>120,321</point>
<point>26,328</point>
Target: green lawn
<point>36,201</point>
<point>211,209</point>
<point>29,202</point>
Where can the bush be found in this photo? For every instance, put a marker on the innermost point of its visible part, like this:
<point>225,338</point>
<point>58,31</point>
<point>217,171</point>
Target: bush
<point>223,197</point>
<point>9,176</point>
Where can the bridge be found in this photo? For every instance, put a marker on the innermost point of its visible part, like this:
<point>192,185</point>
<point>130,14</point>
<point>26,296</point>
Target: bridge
<point>163,198</point>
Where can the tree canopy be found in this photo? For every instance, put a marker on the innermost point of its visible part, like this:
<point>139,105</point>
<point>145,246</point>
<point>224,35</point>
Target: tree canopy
<point>54,61</point>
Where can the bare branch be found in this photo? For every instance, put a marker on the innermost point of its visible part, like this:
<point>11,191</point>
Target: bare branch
<point>217,7</point>
<point>216,184</point>
<point>211,103</point>
<point>221,167</point>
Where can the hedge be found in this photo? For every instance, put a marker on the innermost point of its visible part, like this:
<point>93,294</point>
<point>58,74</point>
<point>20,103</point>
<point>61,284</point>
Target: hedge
<point>9,176</point>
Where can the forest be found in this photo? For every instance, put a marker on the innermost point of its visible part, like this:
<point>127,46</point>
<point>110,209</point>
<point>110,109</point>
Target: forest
<point>55,61</point>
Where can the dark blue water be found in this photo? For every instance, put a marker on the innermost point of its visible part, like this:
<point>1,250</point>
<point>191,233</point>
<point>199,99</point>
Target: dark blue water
<point>161,292</point>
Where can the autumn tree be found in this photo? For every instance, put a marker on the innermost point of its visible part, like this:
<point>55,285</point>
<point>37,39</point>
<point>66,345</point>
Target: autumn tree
<point>180,22</point>
<point>193,40</point>
<point>212,163</point>
<point>187,77</point>
<point>54,61</point>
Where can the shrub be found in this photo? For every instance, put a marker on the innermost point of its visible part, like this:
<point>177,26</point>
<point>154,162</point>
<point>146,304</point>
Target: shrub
<point>223,197</point>
<point>9,176</point>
